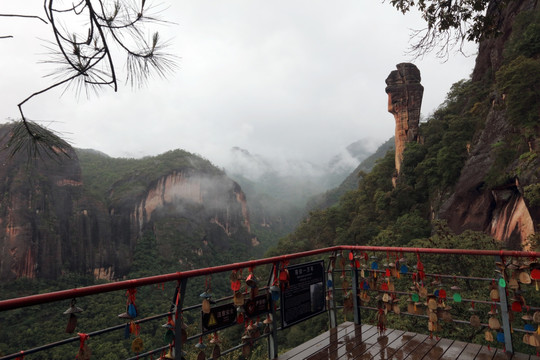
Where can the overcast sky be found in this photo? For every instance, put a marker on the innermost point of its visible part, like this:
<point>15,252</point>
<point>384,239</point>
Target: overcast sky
<point>291,79</point>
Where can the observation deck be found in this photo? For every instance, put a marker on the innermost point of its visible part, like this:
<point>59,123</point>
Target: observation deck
<point>356,302</point>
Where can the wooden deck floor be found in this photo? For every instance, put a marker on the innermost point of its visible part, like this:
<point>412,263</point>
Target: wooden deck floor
<point>348,341</point>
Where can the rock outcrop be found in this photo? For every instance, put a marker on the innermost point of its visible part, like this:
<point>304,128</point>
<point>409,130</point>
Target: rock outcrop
<point>500,211</point>
<point>404,101</point>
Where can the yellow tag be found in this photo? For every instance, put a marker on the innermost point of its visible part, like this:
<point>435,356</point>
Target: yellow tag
<point>137,345</point>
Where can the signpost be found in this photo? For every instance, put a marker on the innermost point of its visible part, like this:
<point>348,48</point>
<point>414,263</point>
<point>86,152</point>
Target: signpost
<point>223,316</point>
<point>219,317</point>
<point>304,298</point>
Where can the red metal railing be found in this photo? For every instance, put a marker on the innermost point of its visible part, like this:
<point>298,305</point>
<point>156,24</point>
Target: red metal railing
<point>353,253</point>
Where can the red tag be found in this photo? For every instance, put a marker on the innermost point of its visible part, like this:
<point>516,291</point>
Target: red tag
<point>240,318</point>
<point>516,306</point>
<point>236,285</point>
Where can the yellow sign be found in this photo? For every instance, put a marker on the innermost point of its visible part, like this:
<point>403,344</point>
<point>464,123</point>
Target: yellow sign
<point>212,321</point>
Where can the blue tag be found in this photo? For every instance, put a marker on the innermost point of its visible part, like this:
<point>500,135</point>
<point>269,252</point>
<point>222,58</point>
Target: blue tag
<point>132,311</point>
<point>403,269</point>
<point>500,337</point>
<point>366,285</point>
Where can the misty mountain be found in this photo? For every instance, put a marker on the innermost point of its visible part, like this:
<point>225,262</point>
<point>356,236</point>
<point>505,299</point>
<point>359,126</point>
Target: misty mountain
<point>278,189</point>
<point>296,180</point>
<point>332,196</point>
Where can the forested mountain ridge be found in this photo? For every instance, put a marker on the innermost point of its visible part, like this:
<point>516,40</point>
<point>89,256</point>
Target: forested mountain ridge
<point>87,213</point>
<point>475,167</point>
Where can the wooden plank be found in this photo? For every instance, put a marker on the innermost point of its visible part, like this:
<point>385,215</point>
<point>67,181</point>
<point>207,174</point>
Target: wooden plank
<point>470,351</point>
<point>351,337</point>
<point>352,346</point>
<point>410,341</point>
<point>501,355</point>
<point>388,344</point>
<point>439,349</point>
<point>520,356</point>
<point>318,341</point>
<point>454,350</point>
<point>423,348</point>
<point>373,345</point>
<point>398,346</point>
<point>485,353</point>
<point>393,349</point>
<point>360,347</point>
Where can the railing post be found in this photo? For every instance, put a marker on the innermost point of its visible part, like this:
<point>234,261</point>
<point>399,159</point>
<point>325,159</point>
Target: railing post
<point>178,304</point>
<point>330,295</point>
<point>504,312</point>
<point>272,338</point>
<point>356,300</point>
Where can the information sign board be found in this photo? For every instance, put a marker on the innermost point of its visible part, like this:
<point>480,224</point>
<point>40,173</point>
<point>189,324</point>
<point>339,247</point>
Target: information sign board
<point>305,295</point>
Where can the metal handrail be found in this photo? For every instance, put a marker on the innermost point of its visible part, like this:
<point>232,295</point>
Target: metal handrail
<point>158,279</point>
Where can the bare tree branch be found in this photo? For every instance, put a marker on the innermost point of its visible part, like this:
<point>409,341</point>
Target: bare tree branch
<point>84,51</point>
<point>24,16</point>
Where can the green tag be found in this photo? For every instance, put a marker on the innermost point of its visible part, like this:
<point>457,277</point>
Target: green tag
<point>502,283</point>
<point>415,297</point>
<point>169,336</point>
<point>457,297</point>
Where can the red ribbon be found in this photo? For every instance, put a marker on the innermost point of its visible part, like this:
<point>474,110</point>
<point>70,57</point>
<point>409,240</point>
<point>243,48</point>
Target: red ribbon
<point>131,295</point>
<point>82,338</point>
<point>207,282</point>
<point>177,300</point>
<point>20,357</point>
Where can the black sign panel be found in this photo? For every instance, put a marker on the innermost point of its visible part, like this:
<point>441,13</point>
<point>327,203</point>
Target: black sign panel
<point>305,296</point>
<point>219,317</point>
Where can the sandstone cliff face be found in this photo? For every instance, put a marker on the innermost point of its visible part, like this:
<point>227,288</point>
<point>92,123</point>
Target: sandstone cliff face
<point>404,101</point>
<point>501,212</point>
<point>39,200</point>
<point>216,193</point>
<point>50,225</point>
<point>211,201</point>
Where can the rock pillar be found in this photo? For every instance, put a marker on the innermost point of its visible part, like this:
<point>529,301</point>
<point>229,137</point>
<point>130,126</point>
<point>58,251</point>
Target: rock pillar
<point>404,102</point>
